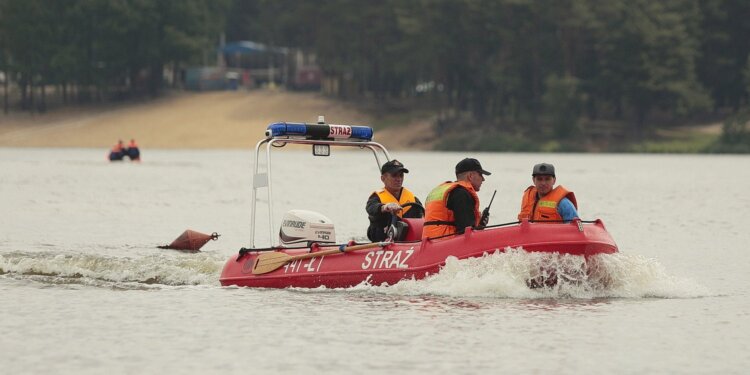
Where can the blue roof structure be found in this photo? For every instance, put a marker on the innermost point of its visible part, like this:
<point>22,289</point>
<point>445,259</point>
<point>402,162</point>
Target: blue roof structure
<point>246,47</point>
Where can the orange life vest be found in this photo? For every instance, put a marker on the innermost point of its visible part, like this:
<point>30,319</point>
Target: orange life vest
<point>544,208</point>
<point>406,197</point>
<point>437,211</point>
<point>132,144</point>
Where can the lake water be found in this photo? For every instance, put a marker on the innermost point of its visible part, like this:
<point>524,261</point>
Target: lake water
<point>85,290</point>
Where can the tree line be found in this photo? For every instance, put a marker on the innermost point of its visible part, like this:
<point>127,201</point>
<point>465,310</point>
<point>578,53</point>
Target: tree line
<point>545,68</point>
<point>99,49</point>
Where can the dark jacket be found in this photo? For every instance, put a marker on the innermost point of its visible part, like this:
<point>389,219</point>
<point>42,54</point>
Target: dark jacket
<point>379,221</point>
<point>461,203</point>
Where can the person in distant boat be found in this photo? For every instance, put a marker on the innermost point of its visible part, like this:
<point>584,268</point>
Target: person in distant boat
<point>132,151</point>
<point>542,202</point>
<point>390,200</point>
<point>453,206</point>
<point>117,152</point>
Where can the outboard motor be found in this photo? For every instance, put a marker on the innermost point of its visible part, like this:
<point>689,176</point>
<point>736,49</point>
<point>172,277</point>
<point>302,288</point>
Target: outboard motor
<point>302,226</point>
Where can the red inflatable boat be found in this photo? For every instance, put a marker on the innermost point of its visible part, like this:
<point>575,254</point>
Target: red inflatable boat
<point>307,258</point>
<point>378,263</point>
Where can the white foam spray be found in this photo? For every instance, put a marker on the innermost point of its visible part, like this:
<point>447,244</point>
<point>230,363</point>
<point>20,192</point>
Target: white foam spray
<point>118,272</point>
<point>513,273</point>
<point>516,273</point>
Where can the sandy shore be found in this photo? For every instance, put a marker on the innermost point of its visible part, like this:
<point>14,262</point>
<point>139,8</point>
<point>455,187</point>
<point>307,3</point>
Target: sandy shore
<point>226,119</point>
<point>219,119</point>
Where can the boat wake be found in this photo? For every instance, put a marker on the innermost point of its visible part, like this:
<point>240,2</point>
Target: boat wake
<point>149,272</point>
<point>516,273</point>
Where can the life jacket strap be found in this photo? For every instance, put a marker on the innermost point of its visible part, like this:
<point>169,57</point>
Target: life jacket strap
<point>439,222</point>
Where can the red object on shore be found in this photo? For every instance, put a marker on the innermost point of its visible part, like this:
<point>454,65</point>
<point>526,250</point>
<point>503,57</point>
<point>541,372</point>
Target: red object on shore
<point>191,240</point>
<point>412,258</point>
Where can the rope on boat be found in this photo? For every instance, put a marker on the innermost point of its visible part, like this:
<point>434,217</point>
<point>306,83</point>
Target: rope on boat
<point>580,228</point>
<point>245,250</point>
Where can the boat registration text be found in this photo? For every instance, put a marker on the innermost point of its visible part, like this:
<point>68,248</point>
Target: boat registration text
<point>376,259</point>
<point>387,259</point>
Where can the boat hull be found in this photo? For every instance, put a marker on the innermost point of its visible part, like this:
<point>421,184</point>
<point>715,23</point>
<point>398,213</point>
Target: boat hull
<point>418,259</point>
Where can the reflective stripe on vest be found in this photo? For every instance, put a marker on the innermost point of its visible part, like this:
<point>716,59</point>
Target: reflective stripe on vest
<point>406,197</point>
<point>544,208</point>
<point>439,219</point>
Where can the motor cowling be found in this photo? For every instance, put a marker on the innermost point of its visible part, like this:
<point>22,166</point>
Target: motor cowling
<point>302,226</point>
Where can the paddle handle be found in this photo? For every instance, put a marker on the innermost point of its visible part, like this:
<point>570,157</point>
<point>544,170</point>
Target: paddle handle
<point>342,249</point>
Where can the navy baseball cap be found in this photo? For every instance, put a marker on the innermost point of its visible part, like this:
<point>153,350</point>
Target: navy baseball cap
<point>393,166</point>
<point>470,164</point>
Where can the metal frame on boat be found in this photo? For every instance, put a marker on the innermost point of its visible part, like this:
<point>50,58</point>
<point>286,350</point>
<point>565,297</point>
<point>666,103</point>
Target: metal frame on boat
<point>320,134</point>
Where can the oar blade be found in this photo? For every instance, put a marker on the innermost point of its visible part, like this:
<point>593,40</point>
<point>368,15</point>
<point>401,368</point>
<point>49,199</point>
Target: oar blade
<point>268,262</point>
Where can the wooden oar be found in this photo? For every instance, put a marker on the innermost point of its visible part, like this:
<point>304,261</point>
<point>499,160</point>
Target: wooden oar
<point>268,262</point>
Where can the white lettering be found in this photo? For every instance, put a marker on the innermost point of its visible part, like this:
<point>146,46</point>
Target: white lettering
<point>396,262</point>
<point>377,257</point>
<point>408,255</point>
<point>386,257</point>
<point>309,265</point>
<point>292,266</point>
<point>368,260</point>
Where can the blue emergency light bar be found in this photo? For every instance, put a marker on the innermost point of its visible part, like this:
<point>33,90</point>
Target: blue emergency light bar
<point>319,131</point>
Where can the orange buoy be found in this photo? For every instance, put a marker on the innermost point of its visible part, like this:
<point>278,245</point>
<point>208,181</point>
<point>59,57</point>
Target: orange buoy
<point>191,240</point>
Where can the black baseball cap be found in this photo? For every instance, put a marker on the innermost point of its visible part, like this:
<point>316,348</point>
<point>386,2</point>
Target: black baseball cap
<point>393,166</point>
<point>468,165</point>
<point>543,169</point>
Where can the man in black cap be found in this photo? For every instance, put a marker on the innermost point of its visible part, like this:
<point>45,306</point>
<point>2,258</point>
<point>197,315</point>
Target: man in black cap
<point>542,202</point>
<point>388,201</point>
<point>453,206</point>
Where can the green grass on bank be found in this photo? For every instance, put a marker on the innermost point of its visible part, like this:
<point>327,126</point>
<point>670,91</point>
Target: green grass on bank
<point>600,137</point>
<point>683,141</point>
<point>603,136</point>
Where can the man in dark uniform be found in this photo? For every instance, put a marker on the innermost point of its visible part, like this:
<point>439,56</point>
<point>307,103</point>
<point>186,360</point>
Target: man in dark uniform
<point>453,206</point>
<point>388,201</point>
